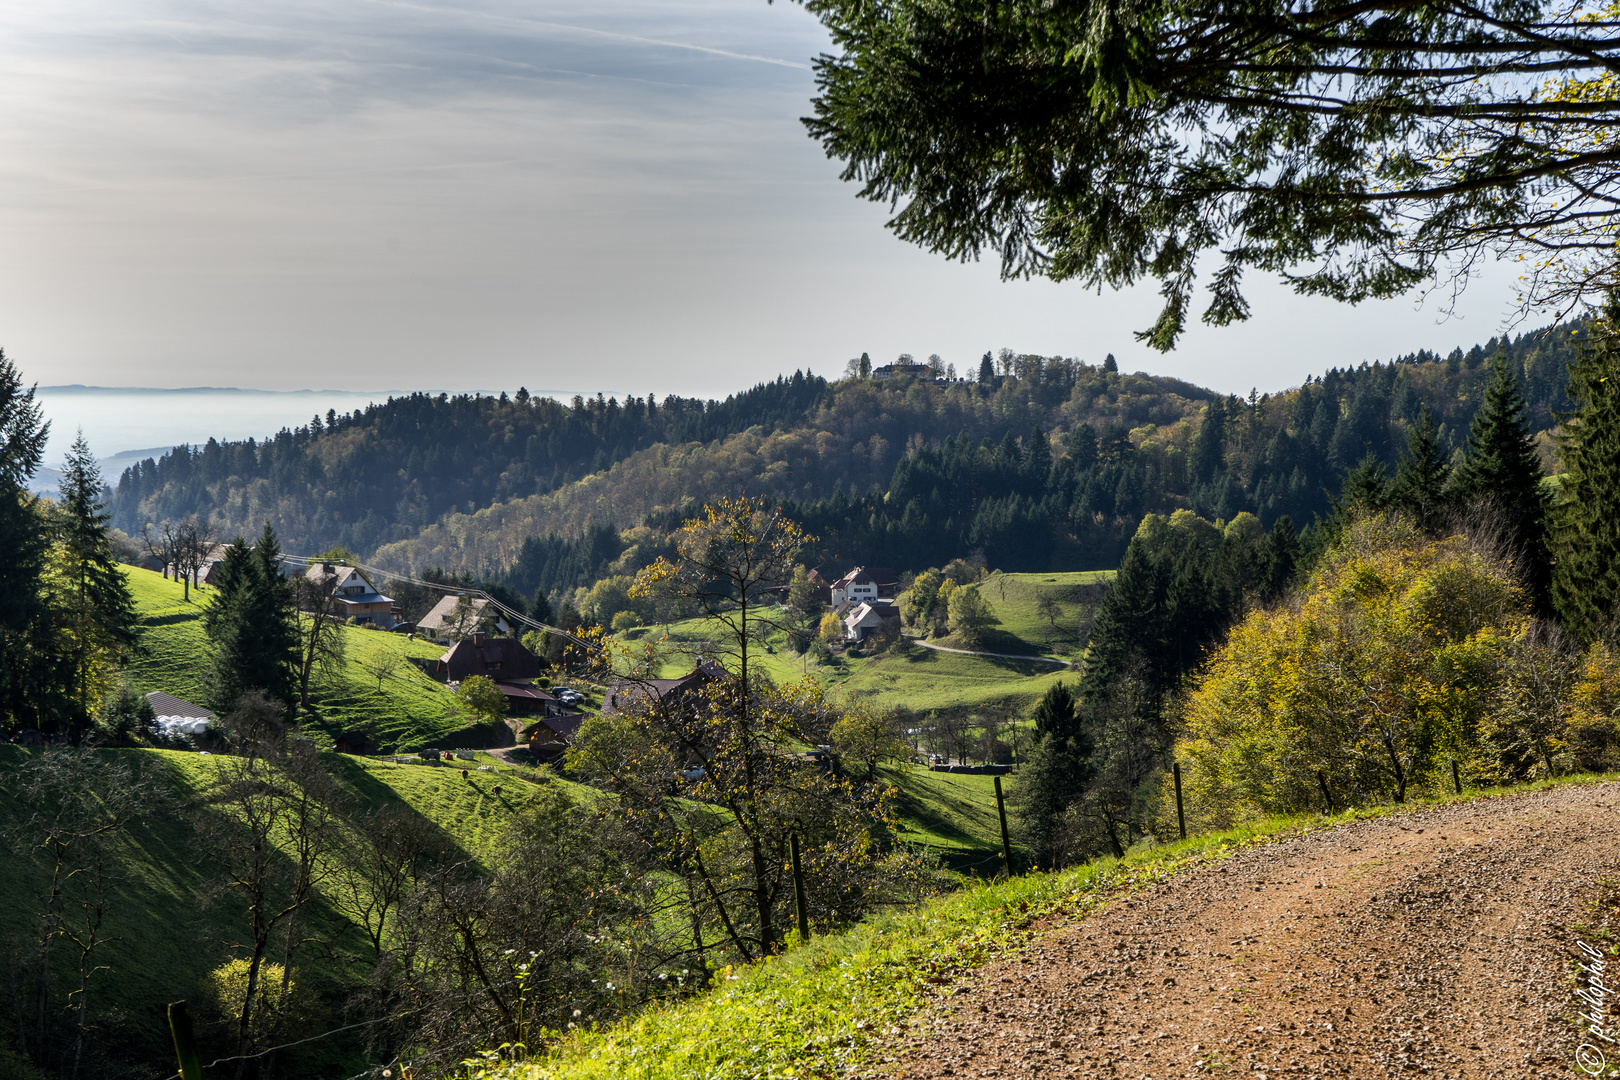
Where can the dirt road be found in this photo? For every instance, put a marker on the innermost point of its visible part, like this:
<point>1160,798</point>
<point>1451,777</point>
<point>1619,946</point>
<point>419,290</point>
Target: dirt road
<point>1439,942</point>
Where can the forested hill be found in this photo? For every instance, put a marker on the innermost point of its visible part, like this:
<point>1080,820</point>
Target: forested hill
<point>911,474</point>
<point>1046,462</point>
<point>369,477</point>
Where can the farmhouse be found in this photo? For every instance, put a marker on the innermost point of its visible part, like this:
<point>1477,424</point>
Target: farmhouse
<point>452,619</point>
<point>868,618</point>
<point>861,585</point>
<point>662,693</point>
<point>505,662</point>
<point>354,597</point>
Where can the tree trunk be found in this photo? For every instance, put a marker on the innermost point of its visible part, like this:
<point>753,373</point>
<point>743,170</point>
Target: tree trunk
<point>1400,773</point>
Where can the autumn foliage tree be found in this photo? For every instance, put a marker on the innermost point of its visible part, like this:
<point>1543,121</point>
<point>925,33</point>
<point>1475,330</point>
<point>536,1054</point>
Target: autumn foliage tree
<point>711,777</point>
<point>1384,667</point>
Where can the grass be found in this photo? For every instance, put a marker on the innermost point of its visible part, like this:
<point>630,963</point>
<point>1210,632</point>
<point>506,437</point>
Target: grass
<point>824,1008</point>
<point>163,935</point>
<point>410,710</point>
<point>1021,628</point>
<point>952,814</point>
<point>921,679</point>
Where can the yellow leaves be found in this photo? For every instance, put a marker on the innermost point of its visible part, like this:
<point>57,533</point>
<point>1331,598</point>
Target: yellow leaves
<point>1395,635</point>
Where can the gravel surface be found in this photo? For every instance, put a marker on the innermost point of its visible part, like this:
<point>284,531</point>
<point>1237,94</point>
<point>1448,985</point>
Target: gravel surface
<point>1438,942</point>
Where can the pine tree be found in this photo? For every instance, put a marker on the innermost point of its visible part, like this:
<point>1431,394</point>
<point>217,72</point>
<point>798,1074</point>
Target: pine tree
<point>1056,716</point>
<point>1586,570</point>
<point>987,369</point>
<point>1279,557</point>
<point>24,542</point>
<point>1366,487</point>
<point>1037,464</point>
<point>1502,475</point>
<point>253,623</point>
<point>99,616</point>
<point>1421,478</point>
<point>1209,450</point>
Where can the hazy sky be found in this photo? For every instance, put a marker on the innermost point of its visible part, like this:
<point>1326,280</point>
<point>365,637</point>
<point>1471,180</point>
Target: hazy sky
<point>614,195</point>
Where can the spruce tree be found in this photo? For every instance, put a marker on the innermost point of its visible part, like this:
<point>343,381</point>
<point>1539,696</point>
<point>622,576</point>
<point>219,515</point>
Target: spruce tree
<point>1502,476</point>
<point>1209,450</point>
<point>1586,569</point>
<point>24,542</point>
<point>253,624</point>
<point>102,629</point>
<point>987,369</point>
<point>1421,478</point>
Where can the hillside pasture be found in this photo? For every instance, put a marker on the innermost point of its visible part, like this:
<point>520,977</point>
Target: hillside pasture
<point>1022,629</point>
<point>409,711</point>
<point>169,924</point>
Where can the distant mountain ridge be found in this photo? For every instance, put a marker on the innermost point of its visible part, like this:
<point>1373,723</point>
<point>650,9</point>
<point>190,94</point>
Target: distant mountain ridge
<point>1049,464</point>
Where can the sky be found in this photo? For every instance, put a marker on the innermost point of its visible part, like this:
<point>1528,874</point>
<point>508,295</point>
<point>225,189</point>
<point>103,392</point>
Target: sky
<point>611,196</point>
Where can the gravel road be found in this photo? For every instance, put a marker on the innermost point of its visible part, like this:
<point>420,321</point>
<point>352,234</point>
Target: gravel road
<point>1439,942</point>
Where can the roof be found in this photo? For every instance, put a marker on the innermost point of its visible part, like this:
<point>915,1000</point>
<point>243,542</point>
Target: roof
<point>627,692</point>
<point>444,612</point>
<point>565,726</point>
<point>501,659</point>
<point>855,576</point>
<point>524,691</point>
<point>169,705</point>
<point>882,611</point>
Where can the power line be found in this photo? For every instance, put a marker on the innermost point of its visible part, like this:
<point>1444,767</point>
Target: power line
<point>512,616</point>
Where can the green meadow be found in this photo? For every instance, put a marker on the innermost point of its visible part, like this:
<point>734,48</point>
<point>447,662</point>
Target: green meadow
<point>168,927</point>
<point>408,710</point>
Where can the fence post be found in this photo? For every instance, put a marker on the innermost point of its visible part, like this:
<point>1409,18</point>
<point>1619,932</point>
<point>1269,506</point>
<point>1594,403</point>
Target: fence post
<point>1327,795</point>
<point>1181,818</point>
<point>798,889</point>
<point>185,1042</point>
<point>1456,781</point>
<point>1006,841</point>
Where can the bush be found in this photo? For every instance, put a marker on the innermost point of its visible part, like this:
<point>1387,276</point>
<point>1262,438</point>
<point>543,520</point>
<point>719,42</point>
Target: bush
<point>124,716</point>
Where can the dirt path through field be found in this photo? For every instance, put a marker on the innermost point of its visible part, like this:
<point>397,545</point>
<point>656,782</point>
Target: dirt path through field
<point>1435,943</point>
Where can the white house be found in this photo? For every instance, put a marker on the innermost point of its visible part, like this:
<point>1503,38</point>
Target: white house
<point>867,618</point>
<point>856,587</point>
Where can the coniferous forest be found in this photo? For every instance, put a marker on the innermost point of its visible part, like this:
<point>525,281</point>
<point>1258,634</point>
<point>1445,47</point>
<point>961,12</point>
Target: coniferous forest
<point>1036,463</point>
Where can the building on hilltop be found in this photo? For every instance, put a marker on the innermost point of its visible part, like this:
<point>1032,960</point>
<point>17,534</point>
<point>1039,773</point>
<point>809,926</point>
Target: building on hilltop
<point>905,366</point>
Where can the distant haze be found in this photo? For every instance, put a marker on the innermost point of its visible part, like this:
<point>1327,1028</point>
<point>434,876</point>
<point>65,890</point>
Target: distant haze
<point>492,193</point>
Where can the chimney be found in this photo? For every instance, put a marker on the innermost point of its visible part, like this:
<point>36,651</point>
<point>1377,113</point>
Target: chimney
<point>477,638</point>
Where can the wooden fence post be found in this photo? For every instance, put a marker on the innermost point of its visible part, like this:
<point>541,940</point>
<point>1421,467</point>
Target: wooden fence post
<point>185,1042</point>
<point>1327,795</point>
<point>798,889</point>
<point>1006,840</point>
<point>1181,818</point>
<point>1456,781</point>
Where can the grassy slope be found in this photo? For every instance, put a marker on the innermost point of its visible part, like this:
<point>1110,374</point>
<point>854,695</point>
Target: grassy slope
<point>922,679</point>
<point>409,712</point>
<point>823,1008</point>
<point>1020,627</point>
<point>166,938</point>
